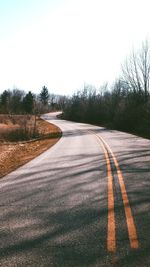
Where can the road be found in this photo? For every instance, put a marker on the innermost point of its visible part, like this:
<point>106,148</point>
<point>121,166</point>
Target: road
<point>83,202</point>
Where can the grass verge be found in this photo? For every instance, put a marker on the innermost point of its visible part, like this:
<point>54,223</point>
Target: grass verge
<point>14,155</point>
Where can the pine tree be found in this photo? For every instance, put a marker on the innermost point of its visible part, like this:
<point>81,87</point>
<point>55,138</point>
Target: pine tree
<point>4,101</point>
<point>44,95</point>
<point>28,102</point>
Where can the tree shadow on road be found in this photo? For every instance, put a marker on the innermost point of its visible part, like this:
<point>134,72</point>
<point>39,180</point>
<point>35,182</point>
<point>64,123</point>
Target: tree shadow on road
<point>58,216</point>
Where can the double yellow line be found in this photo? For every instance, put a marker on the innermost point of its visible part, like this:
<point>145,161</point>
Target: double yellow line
<point>111,231</point>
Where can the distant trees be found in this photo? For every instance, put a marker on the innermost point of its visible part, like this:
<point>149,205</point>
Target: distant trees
<point>44,96</point>
<point>44,100</point>
<point>57,102</point>
<point>11,101</point>
<point>28,103</point>
<point>4,101</point>
<point>16,101</point>
<point>125,106</point>
<point>51,102</point>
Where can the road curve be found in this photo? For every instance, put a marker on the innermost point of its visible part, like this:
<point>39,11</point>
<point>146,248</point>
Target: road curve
<point>83,202</point>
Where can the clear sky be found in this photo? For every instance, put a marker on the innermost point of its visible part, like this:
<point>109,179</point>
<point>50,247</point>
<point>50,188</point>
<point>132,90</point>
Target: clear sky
<point>65,43</point>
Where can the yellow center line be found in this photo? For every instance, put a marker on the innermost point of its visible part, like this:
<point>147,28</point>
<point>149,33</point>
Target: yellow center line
<point>111,230</point>
<point>132,232</point>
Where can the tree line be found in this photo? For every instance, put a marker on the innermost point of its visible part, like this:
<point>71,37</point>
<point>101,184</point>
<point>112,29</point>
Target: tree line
<point>16,101</point>
<point>123,106</point>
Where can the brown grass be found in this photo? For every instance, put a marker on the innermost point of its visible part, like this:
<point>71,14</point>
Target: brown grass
<point>13,155</point>
<point>18,127</point>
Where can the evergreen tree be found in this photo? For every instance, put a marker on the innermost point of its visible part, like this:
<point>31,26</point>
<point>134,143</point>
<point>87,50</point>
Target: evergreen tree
<point>4,101</point>
<point>44,95</point>
<point>28,102</point>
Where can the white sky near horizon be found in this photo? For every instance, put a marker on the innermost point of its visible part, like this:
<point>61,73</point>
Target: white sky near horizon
<point>65,43</point>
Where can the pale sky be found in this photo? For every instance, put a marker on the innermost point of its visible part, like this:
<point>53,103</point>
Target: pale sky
<point>65,43</point>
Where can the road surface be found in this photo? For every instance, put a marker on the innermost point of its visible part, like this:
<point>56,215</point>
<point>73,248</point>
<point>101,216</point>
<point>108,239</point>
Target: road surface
<point>83,202</point>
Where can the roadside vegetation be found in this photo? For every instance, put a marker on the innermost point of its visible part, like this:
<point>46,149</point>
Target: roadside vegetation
<point>15,154</point>
<point>23,134</point>
<point>123,106</point>
<point>15,128</point>
<point>18,127</point>
<point>20,114</point>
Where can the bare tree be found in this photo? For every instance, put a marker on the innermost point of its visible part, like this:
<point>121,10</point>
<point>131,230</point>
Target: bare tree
<point>144,66</point>
<point>136,71</point>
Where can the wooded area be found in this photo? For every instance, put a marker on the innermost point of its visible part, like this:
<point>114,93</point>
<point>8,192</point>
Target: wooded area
<point>16,101</point>
<point>124,106</point>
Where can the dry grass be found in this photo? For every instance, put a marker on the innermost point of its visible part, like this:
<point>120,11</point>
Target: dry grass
<point>18,127</point>
<point>13,155</point>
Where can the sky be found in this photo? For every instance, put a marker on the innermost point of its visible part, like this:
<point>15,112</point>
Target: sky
<point>64,44</point>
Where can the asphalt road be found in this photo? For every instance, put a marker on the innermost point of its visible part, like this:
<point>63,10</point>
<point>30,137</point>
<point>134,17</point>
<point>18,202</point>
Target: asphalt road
<point>83,202</point>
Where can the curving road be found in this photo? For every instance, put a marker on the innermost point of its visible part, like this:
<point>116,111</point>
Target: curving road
<point>83,202</point>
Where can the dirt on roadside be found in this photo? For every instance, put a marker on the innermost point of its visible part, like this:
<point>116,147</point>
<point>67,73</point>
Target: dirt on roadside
<point>13,155</point>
